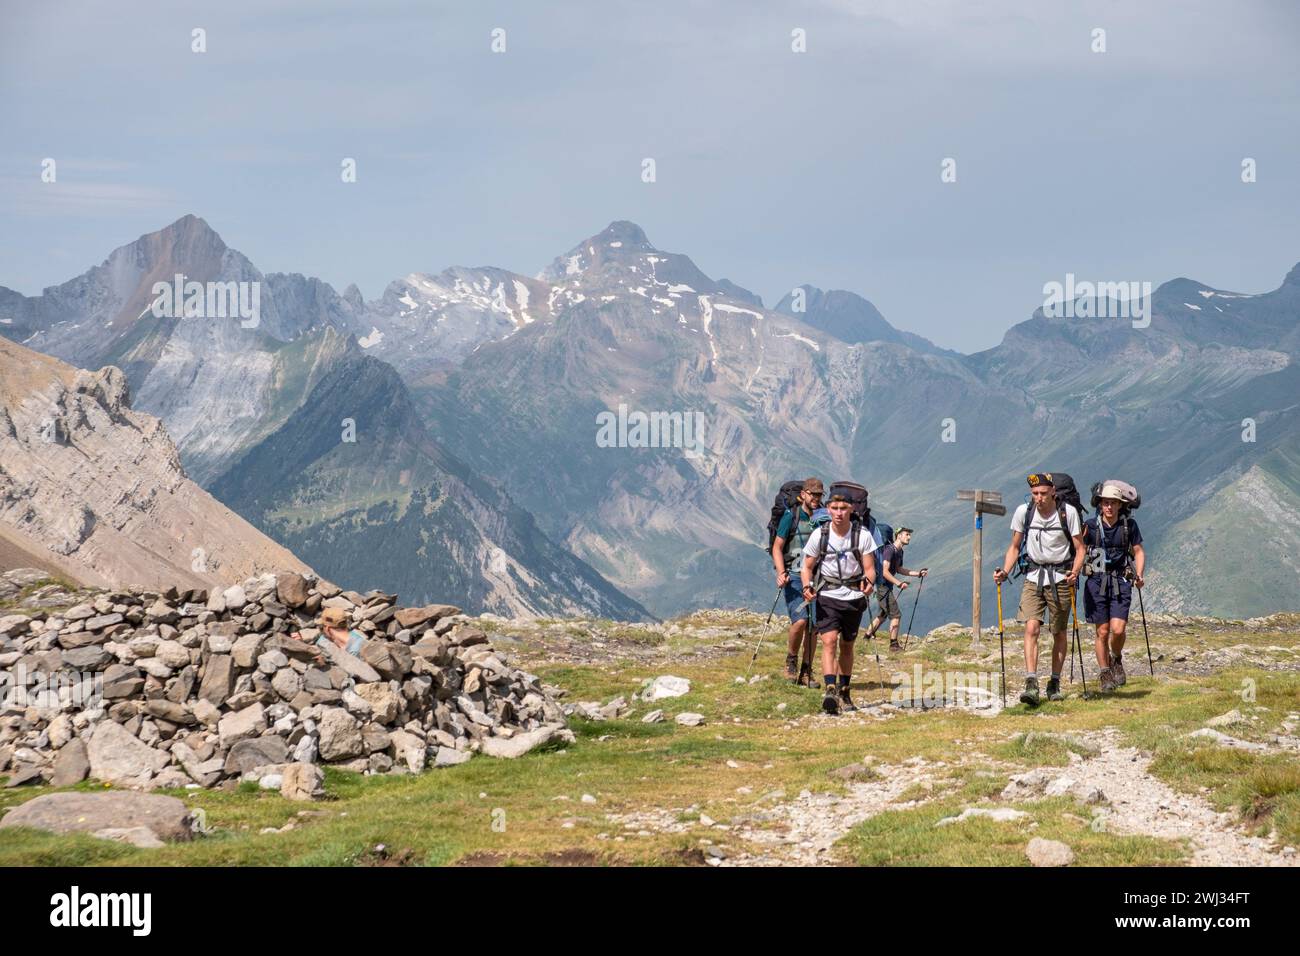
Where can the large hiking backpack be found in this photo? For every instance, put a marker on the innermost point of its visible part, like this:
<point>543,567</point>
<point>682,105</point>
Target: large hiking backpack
<point>1066,494</point>
<point>880,532</point>
<point>857,496</point>
<point>786,498</point>
<point>1066,491</point>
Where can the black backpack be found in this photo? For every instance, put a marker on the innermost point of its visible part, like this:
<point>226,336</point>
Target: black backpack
<point>786,499</point>
<point>1066,494</point>
<point>857,496</point>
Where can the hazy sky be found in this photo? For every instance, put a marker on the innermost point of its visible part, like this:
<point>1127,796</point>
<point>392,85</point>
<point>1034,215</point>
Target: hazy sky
<point>774,168</point>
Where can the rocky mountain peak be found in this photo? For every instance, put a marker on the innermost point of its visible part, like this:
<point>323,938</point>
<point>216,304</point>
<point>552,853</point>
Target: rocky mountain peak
<point>96,490</point>
<point>629,234</point>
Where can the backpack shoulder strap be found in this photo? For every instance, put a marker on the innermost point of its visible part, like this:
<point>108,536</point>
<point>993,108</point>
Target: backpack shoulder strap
<point>855,533</point>
<point>1065,527</point>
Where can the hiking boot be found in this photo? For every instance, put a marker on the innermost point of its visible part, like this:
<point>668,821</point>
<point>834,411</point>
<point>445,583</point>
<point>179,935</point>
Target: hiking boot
<point>1117,672</point>
<point>806,677</point>
<point>846,702</point>
<point>895,646</point>
<point>1054,689</point>
<point>831,701</point>
<point>1108,680</point>
<point>1030,694</point>
<point>792,668</point>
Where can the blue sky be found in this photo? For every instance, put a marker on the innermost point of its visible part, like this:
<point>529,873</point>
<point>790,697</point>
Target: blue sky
<point>773,168</point>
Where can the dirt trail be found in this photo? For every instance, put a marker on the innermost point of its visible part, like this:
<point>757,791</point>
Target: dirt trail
<point>802,832</point>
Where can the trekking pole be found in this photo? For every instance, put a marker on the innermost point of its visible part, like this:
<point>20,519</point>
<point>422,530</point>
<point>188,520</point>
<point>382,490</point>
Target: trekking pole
<point>1074,630</point>
<point>779,589</point>
<point>1002,649</point>
<point>808,639</point>
<point>1150,664</point>
<point>1074,616</point>
<point>763,636</point>
<point>912,619</point>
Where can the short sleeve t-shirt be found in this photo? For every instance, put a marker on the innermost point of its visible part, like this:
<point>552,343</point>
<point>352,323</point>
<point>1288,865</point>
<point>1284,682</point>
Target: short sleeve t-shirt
<point>1116,559</point>
<point>839,563</point>
<point>794,541</point>
<point>891,556</point>
<point>355,640</point>
<point>1045,542</point>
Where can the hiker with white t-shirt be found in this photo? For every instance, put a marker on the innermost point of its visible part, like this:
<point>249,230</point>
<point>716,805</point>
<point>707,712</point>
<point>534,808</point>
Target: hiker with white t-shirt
<point>837,575</point>
<point>1052,531</point>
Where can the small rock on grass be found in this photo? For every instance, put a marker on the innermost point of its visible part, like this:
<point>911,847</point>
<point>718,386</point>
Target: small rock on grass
<point>1000,815</point>
<point>1048,853</point>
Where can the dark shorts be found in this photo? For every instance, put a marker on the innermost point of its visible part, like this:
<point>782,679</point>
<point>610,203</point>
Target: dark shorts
<point>794,605</point>
<point>842,616</point>
<point>1099,607</point>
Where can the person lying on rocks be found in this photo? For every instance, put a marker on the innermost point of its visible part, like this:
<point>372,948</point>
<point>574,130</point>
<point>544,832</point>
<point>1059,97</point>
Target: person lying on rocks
<point>333,623</point>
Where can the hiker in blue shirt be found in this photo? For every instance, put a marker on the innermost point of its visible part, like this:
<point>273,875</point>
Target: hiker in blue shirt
<point>1116,563</point>
<point>787,551</point>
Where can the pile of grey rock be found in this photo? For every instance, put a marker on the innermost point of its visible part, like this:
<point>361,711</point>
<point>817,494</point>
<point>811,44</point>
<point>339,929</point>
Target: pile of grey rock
<point>191,688</point>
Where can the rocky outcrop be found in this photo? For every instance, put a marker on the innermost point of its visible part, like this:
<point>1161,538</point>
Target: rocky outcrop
<point>147,689</point>
<point>97,489</point>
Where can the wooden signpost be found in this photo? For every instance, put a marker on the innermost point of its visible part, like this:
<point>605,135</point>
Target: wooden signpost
<point>986,502</point>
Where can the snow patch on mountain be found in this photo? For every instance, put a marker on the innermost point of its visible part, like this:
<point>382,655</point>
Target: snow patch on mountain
<point>723,307</point>
<point>803,339</point>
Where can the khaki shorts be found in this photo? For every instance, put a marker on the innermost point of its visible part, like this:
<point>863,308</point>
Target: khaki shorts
<point>888,603</point>
<point>1035,600</point>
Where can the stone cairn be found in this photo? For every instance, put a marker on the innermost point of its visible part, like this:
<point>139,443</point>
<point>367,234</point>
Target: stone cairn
<point>192,688</point>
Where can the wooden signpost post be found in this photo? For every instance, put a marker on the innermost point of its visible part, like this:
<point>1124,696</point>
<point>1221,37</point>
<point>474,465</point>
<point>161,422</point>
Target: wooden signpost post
<point>986,502</point>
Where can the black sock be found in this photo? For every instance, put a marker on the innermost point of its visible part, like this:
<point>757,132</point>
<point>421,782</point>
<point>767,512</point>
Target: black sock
<point>844,680</point>
<point>829,681</point>
<point>1056,676</point>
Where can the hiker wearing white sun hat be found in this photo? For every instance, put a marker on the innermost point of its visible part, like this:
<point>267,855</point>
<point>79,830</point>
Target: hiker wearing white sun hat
<point>1116,562</point>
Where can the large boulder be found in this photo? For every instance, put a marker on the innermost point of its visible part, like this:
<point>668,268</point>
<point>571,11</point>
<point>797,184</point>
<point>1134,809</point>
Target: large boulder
<point>218,679</point>
<point>385,703</point>
<point>520,744</point>
<point>391,660</point>
<point>165,817</point>
<point>257,752</point>
<point>340,735</point>
<point>355,668</point>
<point>302,781</point>
<point>242,724</point>
<point>118,757</point>
<point>291,588</point>
<point>412,617</point>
